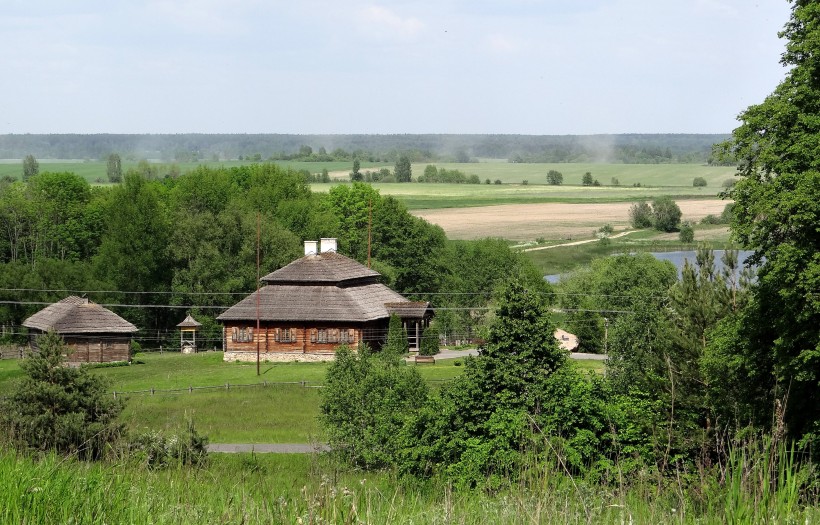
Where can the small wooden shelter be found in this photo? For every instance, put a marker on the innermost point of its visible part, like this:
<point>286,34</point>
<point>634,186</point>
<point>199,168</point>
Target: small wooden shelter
<point>92,334</point>
<point>187,334</point>
<point>310,307</point>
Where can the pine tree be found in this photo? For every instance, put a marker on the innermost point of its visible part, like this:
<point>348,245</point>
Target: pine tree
<point>60,408</point>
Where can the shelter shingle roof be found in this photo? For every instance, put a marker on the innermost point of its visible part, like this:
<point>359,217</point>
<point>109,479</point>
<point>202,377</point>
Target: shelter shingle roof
<point>189,322</point>
<point>77,315</point>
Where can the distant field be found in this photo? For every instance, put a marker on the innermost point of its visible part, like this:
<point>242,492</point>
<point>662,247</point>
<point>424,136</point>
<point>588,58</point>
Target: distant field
<point>627,174</point>
<point>436,196</point>
<point>549,220</point>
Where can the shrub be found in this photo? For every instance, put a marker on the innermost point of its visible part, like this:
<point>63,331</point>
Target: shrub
<point>586,180</point>
<point>497,181</point>
<point>429,341</point>
<point>665,214</point>
<point>640,215</point>
<point>366,399</point>
<point>397,343</point>
<point>687,234</point>
<point>525,182</point>
<point>699,182</point>
<point>59,408</point>
<point>159,451</point>
<point>487,181</point>
<point>615,181</point>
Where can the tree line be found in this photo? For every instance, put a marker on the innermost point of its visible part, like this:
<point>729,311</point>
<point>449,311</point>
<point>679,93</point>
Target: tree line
<point>191,241</point>
<point>626,148</point>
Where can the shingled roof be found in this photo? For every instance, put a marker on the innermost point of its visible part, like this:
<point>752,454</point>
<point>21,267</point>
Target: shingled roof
<point>322,268</point>
<point>77,315</point>
<point>189,322</point>
<point>315,303</point>
<point>325,287</point>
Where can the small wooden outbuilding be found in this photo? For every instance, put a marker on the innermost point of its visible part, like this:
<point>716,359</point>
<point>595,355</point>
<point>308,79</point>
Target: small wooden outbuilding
<point>92,334</point>
<point>187,334</point>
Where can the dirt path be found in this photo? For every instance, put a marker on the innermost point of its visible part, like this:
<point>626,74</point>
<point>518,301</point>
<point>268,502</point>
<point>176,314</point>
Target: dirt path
<point>576,243</point>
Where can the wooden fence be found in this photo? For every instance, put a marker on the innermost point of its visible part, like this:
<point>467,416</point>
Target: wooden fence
<point>227,386</point>
<point>13,352</point>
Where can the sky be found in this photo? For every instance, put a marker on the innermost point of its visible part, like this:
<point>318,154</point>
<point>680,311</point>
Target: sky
<point>550,67</point>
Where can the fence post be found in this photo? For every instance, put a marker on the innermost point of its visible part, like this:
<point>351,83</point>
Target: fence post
<point>227,386</point>
<point>115,394</point>
<point>152,391</point>
<point>190,389</point>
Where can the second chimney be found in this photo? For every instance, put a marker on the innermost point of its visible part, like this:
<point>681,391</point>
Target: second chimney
<point>328,245</point>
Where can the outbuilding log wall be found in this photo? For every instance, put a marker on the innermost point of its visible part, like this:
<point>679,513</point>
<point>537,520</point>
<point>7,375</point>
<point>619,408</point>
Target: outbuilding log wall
<point>95,348</point>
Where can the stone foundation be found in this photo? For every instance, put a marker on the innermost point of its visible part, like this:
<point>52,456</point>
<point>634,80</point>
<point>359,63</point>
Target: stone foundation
<point>277,357</point>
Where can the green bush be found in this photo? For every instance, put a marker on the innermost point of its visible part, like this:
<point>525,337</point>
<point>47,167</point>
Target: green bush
<point>665,214</point>
<point>687,234</point>
<point>429,341</point>
<point>699,182</point>
<point>157,451</point>
<point>640,215</point>
<point>364,404</point>
<point>397,343</point>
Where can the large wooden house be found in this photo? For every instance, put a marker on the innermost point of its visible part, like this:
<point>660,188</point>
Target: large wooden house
<point>315,304</point>
<point>92,334</point>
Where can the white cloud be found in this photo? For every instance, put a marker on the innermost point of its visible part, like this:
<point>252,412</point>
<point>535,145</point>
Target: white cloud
<point>382,20</point>
<point>503,45</point>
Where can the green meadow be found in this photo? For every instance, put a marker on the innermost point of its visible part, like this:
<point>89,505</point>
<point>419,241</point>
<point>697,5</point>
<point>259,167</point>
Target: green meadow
<point>236,406</point>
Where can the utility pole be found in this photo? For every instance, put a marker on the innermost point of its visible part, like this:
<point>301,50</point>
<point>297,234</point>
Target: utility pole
<point>256,335</point>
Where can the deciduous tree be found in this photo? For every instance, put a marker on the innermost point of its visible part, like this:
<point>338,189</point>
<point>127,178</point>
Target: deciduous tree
<point>30,167</point>
<point>776,212</point>
<point>114,168</point>
<point>403,170</point>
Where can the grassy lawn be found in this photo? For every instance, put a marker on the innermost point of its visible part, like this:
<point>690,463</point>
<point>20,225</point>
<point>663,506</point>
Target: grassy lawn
<point>275,413</point>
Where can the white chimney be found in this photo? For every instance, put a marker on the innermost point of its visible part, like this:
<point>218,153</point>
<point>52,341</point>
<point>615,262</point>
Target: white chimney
<point>310,247</point>
<point>328,245</point>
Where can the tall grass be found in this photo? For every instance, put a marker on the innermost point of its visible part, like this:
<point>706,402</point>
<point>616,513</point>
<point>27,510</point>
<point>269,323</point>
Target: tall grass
<point>756,485</point>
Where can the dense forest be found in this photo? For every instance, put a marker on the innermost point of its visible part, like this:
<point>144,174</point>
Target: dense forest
<point>167,246</point>
<point>626,148</point>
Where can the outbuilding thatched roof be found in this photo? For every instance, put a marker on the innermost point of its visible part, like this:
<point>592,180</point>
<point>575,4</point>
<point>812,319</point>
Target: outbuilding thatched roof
<point>78,315</point>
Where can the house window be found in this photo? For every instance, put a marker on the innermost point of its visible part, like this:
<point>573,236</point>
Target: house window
<point>284,335</point>
<point>322,335</point>
<point>346,336</point>
<point>333,335</point>
<point>242,335</point>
